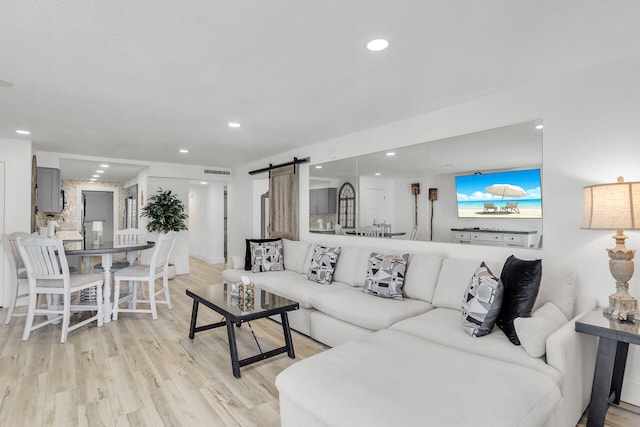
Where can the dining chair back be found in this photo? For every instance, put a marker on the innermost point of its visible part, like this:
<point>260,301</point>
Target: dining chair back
<point>17,273</point>
<point>157,268</point>
<point>339,230</point>
<point>48,273</point>
<point>371,231</point>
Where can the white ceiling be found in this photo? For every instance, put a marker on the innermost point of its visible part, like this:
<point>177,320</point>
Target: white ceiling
<point>141,79</point>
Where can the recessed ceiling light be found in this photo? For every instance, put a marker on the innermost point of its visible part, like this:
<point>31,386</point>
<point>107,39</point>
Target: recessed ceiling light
<point>104,166</point>
<point>92,179</point>
<point>99,171</point>
<point>539,126</point>
<point>23,132</point>
<point>96,176</point>
<point>4,83</point>
<point>391,153</point>
<point>378,174</point>
<point>377,45</point>
<point>184,150</point>
<point>319,167</point>
<point>233,124</point>
<point>203,182</point>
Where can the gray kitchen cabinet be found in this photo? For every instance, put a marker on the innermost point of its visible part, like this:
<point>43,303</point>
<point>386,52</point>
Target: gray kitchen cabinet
<point>323,200</point>
<point>49,196</point>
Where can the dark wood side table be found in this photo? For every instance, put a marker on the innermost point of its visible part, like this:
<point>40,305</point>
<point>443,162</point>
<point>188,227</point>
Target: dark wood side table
<point>615,337</point>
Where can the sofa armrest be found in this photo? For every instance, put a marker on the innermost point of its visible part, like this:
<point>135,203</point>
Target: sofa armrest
<point>574,355</point>
<point>235,262</point>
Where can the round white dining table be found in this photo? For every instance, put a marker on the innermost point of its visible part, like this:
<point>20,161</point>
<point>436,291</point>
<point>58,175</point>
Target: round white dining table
<point>106,251</point>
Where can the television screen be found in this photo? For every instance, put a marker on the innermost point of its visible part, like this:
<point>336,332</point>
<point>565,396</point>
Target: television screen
<point>513,194</point>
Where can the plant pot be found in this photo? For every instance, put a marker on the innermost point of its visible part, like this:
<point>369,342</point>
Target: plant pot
<point>171,272</point>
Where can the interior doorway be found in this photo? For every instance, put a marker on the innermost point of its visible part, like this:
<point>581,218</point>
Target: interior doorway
<point>97,205</point>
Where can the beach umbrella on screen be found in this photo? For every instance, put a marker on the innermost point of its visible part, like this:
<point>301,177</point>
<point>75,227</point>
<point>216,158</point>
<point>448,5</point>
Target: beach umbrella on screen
<point>503,190</point>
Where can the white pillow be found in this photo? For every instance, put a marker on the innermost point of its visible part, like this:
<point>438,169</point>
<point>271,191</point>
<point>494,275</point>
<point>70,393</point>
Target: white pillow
<point>533,331</point>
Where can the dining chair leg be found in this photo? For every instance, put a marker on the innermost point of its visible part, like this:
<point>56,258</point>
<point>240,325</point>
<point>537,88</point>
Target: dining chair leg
<point>152,299</point>
<point>66,316</point>
<point>134,294</point>
<point>12,304</point>
<point>167,296</point>
<point>116,300</point>
<point>99,290</point>
<point>30,314</point>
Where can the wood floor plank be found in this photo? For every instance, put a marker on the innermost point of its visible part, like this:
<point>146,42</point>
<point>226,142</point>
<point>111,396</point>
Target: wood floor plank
<point>140,372</point>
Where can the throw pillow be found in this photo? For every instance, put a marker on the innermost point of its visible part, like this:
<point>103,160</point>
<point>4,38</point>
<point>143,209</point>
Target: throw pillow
<point>323,263</point>
<point>266,256</point>
<point>482,302</point>
<point>247,252</point>
<point>533,331</point>
<point>521,280</point>
<point>385,275</point>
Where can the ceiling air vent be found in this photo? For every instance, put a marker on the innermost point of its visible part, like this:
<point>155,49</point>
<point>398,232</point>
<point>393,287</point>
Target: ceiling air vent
<point>217,172</point>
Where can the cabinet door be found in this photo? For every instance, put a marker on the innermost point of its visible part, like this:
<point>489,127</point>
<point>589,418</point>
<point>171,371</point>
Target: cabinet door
<point>48,189</point>
<point>332,200</point>
<point>313,201</point>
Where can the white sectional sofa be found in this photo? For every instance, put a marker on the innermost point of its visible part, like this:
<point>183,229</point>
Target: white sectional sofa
<point>410,362</point>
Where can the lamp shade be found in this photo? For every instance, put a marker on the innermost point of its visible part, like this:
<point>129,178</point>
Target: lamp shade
<point>612,206</point>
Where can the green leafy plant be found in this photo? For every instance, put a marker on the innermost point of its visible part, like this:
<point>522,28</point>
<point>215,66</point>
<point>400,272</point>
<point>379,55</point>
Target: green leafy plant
<point>165,212</point>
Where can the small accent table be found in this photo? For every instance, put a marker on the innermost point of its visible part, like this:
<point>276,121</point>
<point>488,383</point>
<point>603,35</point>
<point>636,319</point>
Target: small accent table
<point>615,337</point>
<point>220,299</point>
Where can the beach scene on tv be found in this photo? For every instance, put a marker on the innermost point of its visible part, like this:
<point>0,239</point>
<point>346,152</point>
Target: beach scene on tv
<point>512,194</point>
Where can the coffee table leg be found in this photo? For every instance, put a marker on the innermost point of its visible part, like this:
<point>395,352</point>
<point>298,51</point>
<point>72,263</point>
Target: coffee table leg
<point>194,316</point>
<point>287,335</point>
<point>233,349</point>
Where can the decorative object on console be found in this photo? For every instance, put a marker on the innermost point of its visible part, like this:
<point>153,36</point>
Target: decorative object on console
<point>385,275</point>
<point>521,281</point>
<point>323,264</point>
<point>616,206</point>
<point>482,302</point>
<point>266,256</point>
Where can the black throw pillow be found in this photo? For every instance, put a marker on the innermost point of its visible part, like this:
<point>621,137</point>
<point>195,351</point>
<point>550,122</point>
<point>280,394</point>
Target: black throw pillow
<point>247,251</point>
<point>521,280</point>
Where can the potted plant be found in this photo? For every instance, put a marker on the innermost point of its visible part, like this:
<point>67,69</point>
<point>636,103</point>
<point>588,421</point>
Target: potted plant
<point>166,213</point>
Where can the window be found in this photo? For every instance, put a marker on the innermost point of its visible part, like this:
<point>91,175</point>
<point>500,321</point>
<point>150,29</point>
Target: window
<point>347,206</point>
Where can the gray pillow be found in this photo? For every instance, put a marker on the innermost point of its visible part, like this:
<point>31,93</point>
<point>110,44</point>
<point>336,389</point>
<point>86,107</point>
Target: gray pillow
<point>482,302</point>
<point>266,256</point>
<point>323,263</point>
<point>385,275</point>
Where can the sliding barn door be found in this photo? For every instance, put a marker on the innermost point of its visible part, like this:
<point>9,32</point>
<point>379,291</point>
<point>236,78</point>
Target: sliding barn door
<point>283,201</point>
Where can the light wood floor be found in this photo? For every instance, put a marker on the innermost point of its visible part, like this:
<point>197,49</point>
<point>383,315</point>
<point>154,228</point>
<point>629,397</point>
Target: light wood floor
<point>140,372</point>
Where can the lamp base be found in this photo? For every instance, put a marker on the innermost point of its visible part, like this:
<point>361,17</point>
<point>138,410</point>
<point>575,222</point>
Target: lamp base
<point>622,305</point>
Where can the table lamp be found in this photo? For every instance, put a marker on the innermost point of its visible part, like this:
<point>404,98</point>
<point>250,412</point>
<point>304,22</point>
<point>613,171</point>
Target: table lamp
<point>96,227</point>
<point>616,207</point>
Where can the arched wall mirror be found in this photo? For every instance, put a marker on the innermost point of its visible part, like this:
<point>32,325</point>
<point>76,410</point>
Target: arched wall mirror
<point>479,188</point>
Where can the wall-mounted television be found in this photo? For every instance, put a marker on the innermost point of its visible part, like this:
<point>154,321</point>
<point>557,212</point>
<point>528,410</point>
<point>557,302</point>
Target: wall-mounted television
<point>510,194</point>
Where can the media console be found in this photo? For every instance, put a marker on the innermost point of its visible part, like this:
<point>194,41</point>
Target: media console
<point>527,239</point>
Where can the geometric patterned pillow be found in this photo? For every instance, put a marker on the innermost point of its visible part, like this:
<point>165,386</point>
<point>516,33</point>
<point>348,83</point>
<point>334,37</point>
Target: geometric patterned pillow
<point>266,256</point>
<point>385,275</point>
<point>323,263</point>
<point>482,302</point>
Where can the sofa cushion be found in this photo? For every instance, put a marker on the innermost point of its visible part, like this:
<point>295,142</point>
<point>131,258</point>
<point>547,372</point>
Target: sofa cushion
<point>422,276</point>
<point>442,325</point>
<point>365,310</point>
<point>323,264</point>
<point>452,282</point>
<point>295,286</point>
<point>352,265</point>
<point>393,379</point>
<point>295,255</point>
<point>482,302</point>
<point>247,251</point>
<point>266,256</point>
<point>533,331</point>
<point>385,275</point>
<point>521,280</point>
<point>558,285</point>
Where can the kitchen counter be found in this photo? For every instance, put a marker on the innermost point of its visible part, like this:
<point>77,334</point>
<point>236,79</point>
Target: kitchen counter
<point>69,235</point>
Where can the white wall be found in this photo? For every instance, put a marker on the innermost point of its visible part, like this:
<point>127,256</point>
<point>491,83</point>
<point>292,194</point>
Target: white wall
<point>16,156</point>
<point>591,135</point>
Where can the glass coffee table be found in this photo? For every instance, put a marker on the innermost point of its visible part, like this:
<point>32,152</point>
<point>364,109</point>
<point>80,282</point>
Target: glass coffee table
<point>236,311</point>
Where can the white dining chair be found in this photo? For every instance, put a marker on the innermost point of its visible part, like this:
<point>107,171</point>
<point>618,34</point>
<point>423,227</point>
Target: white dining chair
<point>48,273</point>
<point>157,268</point>
<point>371,231</point>
<point>17,273</point>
